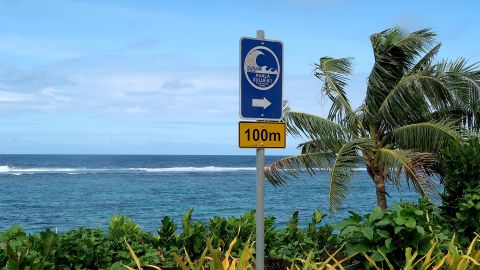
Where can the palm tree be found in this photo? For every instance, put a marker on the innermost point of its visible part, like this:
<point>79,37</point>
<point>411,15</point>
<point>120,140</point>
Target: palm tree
<point>413,107</point>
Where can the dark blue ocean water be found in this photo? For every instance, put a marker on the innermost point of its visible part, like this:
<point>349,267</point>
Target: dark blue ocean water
<point>67,191</point>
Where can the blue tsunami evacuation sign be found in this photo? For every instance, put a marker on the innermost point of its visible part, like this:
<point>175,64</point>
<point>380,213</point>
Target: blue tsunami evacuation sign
<point>261,79</point>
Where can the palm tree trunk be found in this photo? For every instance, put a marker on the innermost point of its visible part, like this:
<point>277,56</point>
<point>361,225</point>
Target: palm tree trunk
<point>379,181</point>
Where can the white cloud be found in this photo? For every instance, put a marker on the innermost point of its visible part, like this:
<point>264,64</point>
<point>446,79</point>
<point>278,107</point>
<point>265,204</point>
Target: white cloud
<point>152,94</point>
<point>50,92</point>
<point>6,96</point>
<point>177,84</point>
<point>135,110</point>
<point>118,88</point>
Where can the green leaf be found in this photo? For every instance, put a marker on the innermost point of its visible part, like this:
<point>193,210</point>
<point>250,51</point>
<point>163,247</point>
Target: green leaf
<point>400,220</point>
<point>420,230</point>
<point>346,222</point>
<point>377,256</point>
<point>376,214</point>
<point>357,248</point>
<point>349,229</point>
<point>317,216</point>
<point>367,232</point>
<point>410,222</point>
<point>398,229</point>
<point>355,217</point>
<point>388,243</point>
<point>384,221</point>
<point>383,234</point>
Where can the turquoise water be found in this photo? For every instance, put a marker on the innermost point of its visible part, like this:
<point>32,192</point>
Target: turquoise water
<point>62,192</point>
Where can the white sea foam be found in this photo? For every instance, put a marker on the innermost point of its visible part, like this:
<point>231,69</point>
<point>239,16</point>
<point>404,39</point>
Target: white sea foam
<point>4,169</point>
<point>46,170</point>
<point>195,169</point>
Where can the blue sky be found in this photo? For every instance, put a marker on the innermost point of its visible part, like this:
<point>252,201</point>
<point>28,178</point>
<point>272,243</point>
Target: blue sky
<point>161,77</point>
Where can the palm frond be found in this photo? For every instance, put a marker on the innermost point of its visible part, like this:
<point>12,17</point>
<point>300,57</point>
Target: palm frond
<point>464,83</point>
<point>416,166</point>
<point>333,72</point>
<point>413,96</point>
<point>397,45</point>
<point>320,146</point>
<point>314,127</point>
<point>427,59</point>
<point>354,122</point>
<point>346,161</point>
<point>415,43</point>
<point>395,52</point>
<point>281,170</point>
<point>427,136</point>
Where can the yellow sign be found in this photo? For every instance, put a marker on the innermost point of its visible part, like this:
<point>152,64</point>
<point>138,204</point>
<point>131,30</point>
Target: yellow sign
<point>261,135</point>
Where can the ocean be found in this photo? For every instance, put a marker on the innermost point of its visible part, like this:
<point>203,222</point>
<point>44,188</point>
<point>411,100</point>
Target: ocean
<point>62,192</point>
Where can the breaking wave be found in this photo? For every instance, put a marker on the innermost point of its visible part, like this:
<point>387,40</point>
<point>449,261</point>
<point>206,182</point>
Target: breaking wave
<point>196,169</point>
<point>5,169</point>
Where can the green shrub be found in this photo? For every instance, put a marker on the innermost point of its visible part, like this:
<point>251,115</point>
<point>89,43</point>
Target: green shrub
<point>167,237</point>
<point>84,248</point>
<point>223,230</point>
<point>461,181</point>
<point>145,244</point>
<point>452,257</point>
<point>391,231</point>
<point>467,220</point>
<point>193,235</point>
<point>20,251</point>
<point>294,241</point>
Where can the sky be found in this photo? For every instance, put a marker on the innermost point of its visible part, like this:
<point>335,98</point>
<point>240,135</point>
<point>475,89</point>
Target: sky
<point>161,77</point>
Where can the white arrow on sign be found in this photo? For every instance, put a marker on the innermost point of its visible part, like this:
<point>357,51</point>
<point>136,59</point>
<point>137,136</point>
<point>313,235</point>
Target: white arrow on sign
<point>261,103</point>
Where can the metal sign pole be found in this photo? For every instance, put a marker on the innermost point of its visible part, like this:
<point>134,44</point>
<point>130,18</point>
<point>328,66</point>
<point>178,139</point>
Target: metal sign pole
<point>260,241</point>
<point>260,244</point>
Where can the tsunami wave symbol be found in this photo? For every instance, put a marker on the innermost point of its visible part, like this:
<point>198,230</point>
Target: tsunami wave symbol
<point>261,77</point>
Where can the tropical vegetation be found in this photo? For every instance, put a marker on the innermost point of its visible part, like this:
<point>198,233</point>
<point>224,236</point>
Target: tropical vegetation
<point>410,233</point>
<point>93,248</point>
<point>414,106</point>
<point>461,195</point>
